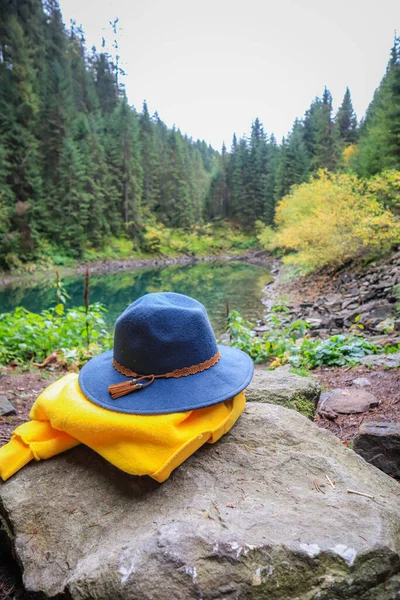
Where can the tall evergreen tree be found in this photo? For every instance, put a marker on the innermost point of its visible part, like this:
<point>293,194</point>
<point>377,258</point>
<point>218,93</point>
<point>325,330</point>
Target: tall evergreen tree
<point>325,154</point>
<point>178,208</point>
<point>294,162</point>
<point>150,159</point>
<point>19,106</point>
<point>379,145</point>
<point>346,121</point>
<point>123,156</point>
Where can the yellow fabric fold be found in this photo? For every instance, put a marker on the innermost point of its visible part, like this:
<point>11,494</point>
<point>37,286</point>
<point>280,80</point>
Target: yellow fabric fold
<point>62,417</point>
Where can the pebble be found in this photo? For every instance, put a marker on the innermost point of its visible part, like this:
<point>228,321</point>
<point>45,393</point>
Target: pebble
<point>6,408</point>
<point>361,382</point>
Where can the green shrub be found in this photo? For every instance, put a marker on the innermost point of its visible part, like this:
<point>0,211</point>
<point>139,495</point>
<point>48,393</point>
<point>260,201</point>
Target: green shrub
<point>27,336</point>
<point>334,218</point>
<point>287,342</point>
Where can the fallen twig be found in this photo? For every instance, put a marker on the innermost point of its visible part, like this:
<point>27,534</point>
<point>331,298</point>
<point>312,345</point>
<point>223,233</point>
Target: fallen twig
<point>317,487</point>
<point>51,358</point>
<point>330,482</point>
<point>360,494</point>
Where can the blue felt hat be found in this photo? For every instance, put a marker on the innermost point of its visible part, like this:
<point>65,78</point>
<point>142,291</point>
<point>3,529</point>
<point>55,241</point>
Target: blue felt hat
<point>165,360</point>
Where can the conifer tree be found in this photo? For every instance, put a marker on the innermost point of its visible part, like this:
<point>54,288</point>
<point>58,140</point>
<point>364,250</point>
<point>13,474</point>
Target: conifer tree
<point>258,168</point>
<point>218,196</point>
<point>178,207</point>
<point>150,159</point>
<point>123,156</point>
<point>294,163</point>
<point>346,121</point>
<point>234,180</point>
<point>325,155</point>
<point>379,144</point>
<point>19,105</point>
<point>273,158</point>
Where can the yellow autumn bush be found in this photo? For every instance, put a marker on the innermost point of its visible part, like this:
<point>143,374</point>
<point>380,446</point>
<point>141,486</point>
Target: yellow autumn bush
<point>333,218</point>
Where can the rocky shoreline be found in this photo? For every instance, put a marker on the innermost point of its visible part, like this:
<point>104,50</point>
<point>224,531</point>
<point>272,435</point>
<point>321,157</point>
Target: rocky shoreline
<point>353,298</point>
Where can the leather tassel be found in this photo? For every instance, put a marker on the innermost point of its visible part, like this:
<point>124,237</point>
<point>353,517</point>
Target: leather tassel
<point>122,389</point>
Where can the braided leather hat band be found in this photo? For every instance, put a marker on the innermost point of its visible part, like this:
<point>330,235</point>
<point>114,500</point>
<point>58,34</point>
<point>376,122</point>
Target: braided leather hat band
<point>121,389</point>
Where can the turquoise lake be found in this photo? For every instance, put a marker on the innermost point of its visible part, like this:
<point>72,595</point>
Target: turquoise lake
<point>212,283</point>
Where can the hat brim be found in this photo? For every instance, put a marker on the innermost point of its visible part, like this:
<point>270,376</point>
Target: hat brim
<point>231,375</point>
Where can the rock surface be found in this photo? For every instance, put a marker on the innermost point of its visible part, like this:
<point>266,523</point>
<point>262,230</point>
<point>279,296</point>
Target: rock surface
<point>347,401</point>
<point>391,361</point>
<point>251,517</point>
<point>280,386</point>
<point>6,408</point>
<point>379,444</point>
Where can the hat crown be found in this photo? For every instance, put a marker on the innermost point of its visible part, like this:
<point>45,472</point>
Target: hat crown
<point>162,332</point>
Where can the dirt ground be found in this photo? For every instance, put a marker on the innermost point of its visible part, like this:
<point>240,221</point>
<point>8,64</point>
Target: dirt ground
<point>385,386</point>
<point>21,389</point>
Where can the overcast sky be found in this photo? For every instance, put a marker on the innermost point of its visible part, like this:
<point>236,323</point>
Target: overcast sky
<point>213,66</point>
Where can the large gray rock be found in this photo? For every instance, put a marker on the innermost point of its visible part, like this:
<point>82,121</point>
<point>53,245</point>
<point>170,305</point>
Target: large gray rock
<point>242,519</point>
<point>285,388</point>
<point>379,444</point>
<point>390,361</point>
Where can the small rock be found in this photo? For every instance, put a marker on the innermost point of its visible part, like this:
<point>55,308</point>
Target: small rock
<point>361,382</point>
<point>339,321</point>
<point>333,307</point>
<point>353,290</point>
<point>351,305</point>
<point>346,277</point>
<point>379,444</point>
<point>390,361</point>
<point>6,408</point>
<point>334,298</point>
<point>224,339</point>
<point>314,323</point>
<point>261,329</point>
<point>347,401</point>
<point>381,312</point>
<point>306,304</point>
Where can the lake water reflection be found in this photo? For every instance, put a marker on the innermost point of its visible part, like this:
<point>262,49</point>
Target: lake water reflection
<point>209,282</point>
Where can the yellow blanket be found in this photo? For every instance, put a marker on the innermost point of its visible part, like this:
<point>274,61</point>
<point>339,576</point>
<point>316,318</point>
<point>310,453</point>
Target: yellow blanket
<point>139,444</point>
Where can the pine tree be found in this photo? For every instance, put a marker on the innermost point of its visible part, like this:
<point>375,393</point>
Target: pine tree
<point>294,162</point>
<point>105,81</point>
<point>150,160</point>
<point>217,205</point>
<point>19,105</point>
<point>310,128</point>
<point>258,171</point>
<point>379,145</point>
<point>273,158</point>
<point>234,180</point>
<point>178,207</point>
<point>123,156</point>
<point>325,154</point>
<point>346,121</point>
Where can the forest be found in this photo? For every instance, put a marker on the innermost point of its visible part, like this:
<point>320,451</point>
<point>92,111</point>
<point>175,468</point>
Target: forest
<point>80,166</point>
